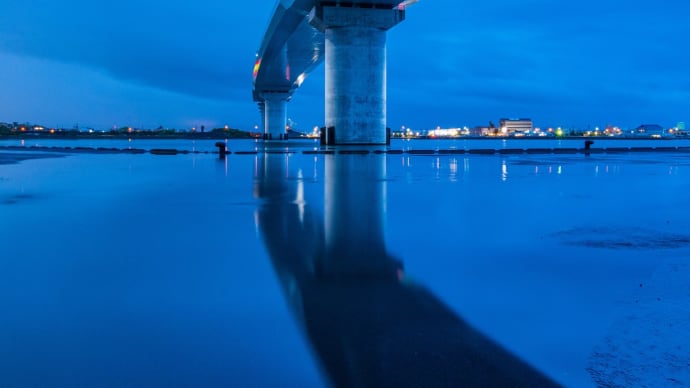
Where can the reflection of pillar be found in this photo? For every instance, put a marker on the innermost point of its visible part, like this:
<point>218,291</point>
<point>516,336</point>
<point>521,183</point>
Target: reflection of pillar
<point>276,114</point>
<point>354,198</point>
<point>270,176</point>
<point>356,71</point>
<point>367,327</point>
<point>292,234</point>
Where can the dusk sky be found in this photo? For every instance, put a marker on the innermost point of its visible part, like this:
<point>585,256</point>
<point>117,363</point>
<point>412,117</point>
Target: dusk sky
<point>180,64</point>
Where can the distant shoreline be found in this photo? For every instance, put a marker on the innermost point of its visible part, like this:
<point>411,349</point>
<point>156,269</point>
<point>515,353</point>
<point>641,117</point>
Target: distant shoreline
<point>216,136</point>
<point>540,138</point>
<point>99,136</point>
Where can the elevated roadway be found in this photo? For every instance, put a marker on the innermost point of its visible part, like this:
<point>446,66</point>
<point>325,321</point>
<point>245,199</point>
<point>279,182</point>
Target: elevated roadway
<point>350,37</point>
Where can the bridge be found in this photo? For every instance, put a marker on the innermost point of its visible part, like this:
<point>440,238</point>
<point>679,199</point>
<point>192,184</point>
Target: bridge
<point>350,37</point>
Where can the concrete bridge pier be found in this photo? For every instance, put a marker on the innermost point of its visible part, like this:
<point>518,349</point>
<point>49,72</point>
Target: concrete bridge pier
<point>262,115</point>
<point>275,117</point>
<point>355,45</point>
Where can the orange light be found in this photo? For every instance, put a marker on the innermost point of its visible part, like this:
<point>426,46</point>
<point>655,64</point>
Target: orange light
<point>257,65</point>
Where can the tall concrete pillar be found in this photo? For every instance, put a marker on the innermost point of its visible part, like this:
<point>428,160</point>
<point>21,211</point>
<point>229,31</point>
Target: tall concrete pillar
<point>262,113</point>
<point>356,71</point>
<point>276,115</point>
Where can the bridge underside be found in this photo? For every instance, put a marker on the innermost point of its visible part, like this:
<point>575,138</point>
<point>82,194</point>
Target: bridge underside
<point>352,39</point>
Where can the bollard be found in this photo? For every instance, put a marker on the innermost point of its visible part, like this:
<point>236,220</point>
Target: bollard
<point>221,149</point>
<point>588,144</point>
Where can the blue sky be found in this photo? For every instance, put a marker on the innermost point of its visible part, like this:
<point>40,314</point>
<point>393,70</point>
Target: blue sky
<point>451,63</point>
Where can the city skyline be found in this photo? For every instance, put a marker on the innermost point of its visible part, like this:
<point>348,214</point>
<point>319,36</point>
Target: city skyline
<point>450,64</point>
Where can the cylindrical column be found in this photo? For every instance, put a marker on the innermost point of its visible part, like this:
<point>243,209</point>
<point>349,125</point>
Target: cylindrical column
<point>356,84</point>
<point>262,112</point>
<point>276,115</point>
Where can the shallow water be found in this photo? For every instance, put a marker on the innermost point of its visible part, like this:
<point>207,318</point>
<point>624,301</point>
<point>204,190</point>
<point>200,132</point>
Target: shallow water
<point>208,145</point>
<point>188,270</point>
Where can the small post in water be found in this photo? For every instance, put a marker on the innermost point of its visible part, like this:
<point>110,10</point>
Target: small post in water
<point>221,149</point>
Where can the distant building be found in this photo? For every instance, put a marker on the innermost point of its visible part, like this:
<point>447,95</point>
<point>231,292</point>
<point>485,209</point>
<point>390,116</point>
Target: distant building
<point>650,130</point>
<point>612,130</point>
<point>515,126</point>
<point>480,131</point>
<point>448,132</point>
<point>680,129</point>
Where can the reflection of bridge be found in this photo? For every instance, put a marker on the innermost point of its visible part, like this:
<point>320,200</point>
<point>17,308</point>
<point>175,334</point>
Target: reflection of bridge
<point>351,38</point>
<point>369,326</point>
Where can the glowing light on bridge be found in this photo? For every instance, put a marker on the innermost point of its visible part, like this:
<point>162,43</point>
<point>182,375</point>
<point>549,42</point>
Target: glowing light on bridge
<point>300,79</point>
<point>406,4</point>
<point>257,66</point>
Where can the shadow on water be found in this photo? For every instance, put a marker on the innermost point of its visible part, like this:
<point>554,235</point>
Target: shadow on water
<point>367,325</point>
<point>623,238</point>
<point>14,199</point>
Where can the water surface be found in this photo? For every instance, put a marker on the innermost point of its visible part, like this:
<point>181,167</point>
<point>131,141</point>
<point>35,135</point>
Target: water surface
<point>188,270</point>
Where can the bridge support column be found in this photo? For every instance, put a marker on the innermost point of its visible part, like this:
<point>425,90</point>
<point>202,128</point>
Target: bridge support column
<point>262,114</point>
<point>356,71</point>
<point>275,119</point>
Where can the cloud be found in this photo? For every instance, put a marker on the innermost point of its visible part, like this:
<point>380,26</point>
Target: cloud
<point>467,62</point>
<point>581,61</point>
<point>177,46</point>
<point>66,94</point>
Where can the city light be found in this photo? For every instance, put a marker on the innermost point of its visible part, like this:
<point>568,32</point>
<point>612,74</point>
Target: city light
<point>449,132</point>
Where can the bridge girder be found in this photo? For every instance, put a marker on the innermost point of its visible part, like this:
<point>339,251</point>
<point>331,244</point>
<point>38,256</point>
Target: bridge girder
<point>295,44</point>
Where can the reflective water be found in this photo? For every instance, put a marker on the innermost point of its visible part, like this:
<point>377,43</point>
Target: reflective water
<point>297,270</point>
<point>396,144</point>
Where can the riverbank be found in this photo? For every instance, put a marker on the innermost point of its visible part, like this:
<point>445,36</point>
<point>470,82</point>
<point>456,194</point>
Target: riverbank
<point>362,150</point>
<point>126,136</point>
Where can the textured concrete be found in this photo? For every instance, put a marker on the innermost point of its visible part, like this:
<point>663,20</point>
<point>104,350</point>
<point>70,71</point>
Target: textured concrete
<point>296,43</point>
<point>262,114</point>
<point>356,84</point>
<point>276,115</point>
<point>356,72</point>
